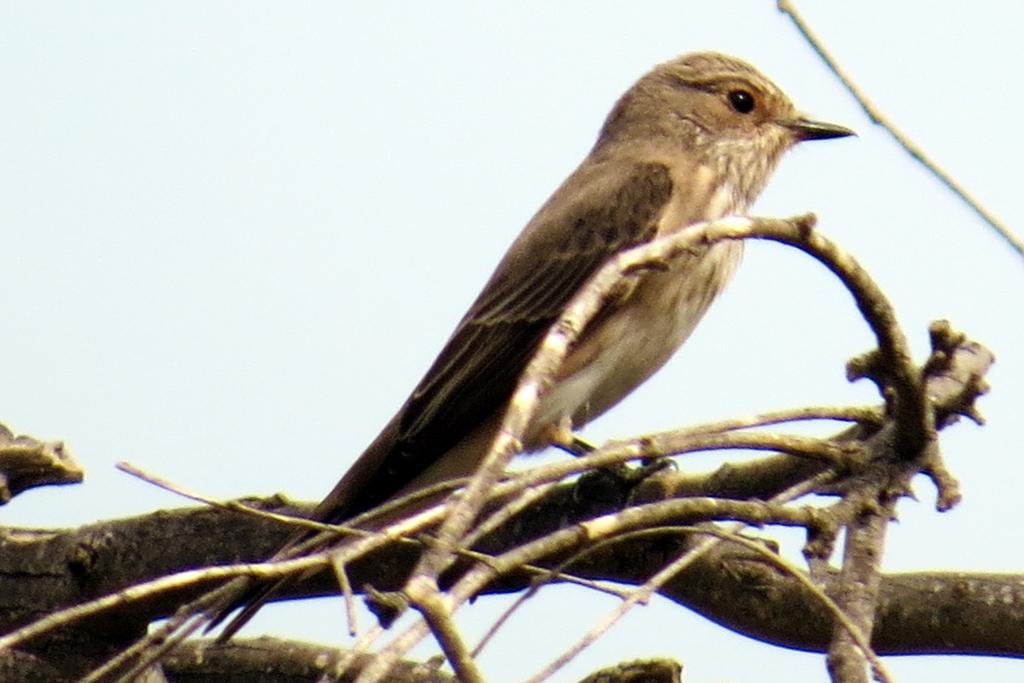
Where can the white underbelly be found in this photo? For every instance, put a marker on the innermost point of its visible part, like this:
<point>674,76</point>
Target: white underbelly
<point>631,343</point>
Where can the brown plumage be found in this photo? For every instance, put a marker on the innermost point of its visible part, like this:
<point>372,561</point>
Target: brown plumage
<point>694,139</point>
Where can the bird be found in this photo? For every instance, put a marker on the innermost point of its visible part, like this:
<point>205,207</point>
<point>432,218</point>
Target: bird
<point>694,139</point>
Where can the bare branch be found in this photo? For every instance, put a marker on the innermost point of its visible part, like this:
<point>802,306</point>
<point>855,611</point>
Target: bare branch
<point>26,463</point>
<point>272,660</point>
<point>856,594</point>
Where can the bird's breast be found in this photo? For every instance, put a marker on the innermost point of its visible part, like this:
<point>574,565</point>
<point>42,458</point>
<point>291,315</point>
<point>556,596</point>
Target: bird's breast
<point>635,336</point>
<point>629,342</point>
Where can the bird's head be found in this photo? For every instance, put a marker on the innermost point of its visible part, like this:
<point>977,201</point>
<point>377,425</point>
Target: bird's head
<point>719,110</point>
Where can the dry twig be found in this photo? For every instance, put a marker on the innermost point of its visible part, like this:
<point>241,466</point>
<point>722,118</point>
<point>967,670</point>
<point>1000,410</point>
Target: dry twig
<point>873,113</point>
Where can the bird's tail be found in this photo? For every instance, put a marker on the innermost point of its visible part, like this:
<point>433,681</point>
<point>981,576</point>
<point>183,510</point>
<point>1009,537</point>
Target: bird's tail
<point>353,495</point>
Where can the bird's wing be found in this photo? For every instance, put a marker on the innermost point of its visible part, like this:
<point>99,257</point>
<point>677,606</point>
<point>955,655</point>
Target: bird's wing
<point>600,210</point>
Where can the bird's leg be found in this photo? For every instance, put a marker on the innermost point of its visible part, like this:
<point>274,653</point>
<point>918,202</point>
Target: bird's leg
<point>611,482</point>
<point>577,446</point>
<point>561,436</point>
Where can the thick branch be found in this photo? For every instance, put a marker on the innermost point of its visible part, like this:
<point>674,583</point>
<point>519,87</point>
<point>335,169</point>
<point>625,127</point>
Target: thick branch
<point>26,462</point>
<point>749,596</point>
<point>271,660</point>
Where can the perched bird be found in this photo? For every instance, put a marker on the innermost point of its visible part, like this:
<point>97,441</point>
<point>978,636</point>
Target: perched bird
<point>693,140</point>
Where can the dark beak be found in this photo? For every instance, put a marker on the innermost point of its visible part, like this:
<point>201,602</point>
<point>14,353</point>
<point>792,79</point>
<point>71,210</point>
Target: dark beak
<point>806,129</point>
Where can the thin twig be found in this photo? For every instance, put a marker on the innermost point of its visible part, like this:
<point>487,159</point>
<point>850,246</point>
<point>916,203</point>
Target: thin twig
<point>475,579</point>
<point>605,530</point>
<point>437,610</point>
<point>667,443</point>
<point>643,593</point>
<point>865,415</point>
<point>596,529</point>
<point>346,592</point>
<point>267,570</point>
<point>545,578</point>
<point>892,366</point>
<point>787,8</point>
<point>524,498</point>
<point>175,636</point>
<point>232,505</point>
<point>847,625</point>
<point>360,647</point>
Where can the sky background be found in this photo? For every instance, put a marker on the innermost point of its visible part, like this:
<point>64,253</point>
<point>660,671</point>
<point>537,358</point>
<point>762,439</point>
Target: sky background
<point>236,234</point>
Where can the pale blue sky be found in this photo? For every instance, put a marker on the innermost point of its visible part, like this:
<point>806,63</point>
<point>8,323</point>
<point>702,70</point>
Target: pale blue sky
<point>235,235</point>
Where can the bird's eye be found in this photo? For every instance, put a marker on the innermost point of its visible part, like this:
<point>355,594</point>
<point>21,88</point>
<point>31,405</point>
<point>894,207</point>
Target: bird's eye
<point>742,101</point>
